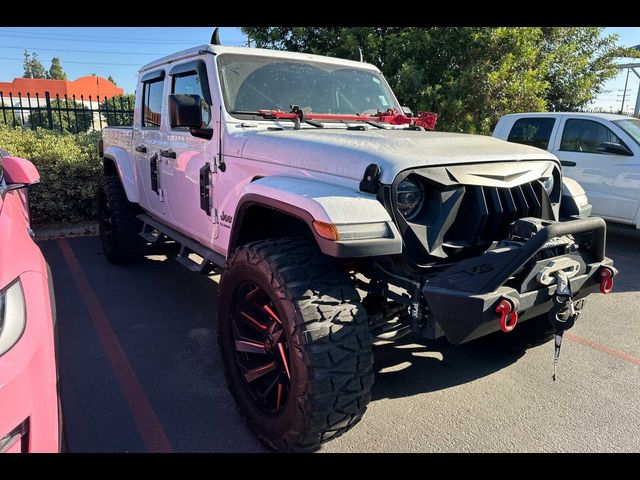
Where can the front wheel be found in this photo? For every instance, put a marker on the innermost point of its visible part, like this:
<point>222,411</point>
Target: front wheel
<point>295,343</point>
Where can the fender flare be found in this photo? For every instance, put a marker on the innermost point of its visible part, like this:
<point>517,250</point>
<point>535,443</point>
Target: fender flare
<point>121,159</point>
<point>310,200</point>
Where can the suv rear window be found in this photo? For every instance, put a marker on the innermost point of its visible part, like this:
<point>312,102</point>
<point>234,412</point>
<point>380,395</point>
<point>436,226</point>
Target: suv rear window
<point>152,103</point>
<point>535,131</point>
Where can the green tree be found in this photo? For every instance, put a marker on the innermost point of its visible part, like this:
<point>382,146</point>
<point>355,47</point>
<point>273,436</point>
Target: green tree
<point>36,68</point>
<point>470,76</point>
<point>26,64</point>
<point>67,114</point>
<point>118,110</point>
<point>56,72</point>
<point>578,61</point>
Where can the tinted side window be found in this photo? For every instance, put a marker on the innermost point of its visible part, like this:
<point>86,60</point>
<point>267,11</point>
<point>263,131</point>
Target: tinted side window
<point>586,136</point>
<point>189,84</point>
<point>152,103</point>
<point>534,131</point>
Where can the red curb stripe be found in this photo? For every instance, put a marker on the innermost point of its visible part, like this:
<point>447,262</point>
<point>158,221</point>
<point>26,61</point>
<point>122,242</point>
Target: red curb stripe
<point>145,418</point>
<point>603,348</point>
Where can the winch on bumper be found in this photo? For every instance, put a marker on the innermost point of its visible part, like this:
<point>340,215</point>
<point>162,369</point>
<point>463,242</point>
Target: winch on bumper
<point>472,298</point>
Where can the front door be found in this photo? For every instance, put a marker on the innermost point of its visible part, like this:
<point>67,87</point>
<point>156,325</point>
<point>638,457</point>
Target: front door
<point>583,142</point>
<point>188,177</point>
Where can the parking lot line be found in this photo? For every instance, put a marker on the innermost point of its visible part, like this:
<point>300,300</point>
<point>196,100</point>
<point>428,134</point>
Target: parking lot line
<point>603,348</point>
<point>147,422</point>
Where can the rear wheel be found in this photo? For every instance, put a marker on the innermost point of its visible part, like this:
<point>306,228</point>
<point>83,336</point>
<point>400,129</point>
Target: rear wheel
<point>117,223</point>
<point>295,343</point>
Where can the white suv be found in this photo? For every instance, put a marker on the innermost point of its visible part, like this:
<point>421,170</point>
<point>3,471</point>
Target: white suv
<point>600,151</point>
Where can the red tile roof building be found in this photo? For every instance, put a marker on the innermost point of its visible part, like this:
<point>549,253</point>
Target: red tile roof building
<point>90,85</point>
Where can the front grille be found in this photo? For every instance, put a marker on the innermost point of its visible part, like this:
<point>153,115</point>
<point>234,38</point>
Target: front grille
<point>486,212</point>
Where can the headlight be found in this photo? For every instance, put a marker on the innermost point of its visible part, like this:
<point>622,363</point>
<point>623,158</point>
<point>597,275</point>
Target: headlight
<point>12,316</point>
<point>547,183</point>
<point>410,198</point>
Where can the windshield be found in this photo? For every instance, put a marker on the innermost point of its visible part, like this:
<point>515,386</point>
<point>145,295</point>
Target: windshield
<point>631,127</point>
<point>251,83</point>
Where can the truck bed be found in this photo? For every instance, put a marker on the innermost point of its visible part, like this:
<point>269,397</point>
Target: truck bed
<point>117,137</point>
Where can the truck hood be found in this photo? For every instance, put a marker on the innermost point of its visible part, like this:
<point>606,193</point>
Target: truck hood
<point>347,153</point>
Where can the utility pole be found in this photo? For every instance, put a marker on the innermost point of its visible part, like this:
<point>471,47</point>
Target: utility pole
<point>624,94</point>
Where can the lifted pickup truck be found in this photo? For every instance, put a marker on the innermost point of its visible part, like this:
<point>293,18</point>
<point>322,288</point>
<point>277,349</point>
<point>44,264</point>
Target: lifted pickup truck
<point>336,220</point>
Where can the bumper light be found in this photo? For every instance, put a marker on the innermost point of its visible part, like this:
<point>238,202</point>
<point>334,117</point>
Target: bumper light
<point>12,316</point>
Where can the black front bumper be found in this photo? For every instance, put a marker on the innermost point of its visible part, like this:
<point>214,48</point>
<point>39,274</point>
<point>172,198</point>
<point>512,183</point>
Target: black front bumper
<point>463,298</point>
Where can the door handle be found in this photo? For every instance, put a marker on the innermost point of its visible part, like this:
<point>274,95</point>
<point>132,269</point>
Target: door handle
<point>567,163</point>
<point>168,153</point>
<point>141,149</point>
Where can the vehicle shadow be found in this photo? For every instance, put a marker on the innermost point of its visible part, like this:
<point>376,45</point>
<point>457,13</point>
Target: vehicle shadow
<point>412,365</point>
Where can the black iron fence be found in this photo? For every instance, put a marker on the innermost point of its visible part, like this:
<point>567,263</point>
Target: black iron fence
<point>628,113</point>
<point>69,114</point>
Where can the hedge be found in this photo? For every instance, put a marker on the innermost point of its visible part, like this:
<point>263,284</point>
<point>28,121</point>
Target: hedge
<point>69,169</point>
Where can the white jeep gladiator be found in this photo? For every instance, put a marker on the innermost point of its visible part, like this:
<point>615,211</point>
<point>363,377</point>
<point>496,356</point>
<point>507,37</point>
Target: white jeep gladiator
<point>338,220</point>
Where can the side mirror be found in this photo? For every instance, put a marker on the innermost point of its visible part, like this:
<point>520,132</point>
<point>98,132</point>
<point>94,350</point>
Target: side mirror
<point>615,149</point>
<point>407,111</point>
<point>19,172</point>
<point>185,111</point>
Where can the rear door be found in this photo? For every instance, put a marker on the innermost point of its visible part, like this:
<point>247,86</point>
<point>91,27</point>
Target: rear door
<point>580,148</point>
<point>535,131</point>
<point>147,140</point>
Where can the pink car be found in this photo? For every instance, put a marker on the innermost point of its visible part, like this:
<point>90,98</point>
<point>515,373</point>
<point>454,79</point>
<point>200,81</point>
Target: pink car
<point>29,406</point>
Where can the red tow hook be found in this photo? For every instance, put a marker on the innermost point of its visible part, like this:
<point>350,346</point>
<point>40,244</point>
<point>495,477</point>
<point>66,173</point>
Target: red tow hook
<point>606,280</point>
<point>507,322</point>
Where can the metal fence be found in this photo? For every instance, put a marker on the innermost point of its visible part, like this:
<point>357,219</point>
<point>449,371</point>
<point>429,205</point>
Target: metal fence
<point>69,114</point>
<point>628,113</point>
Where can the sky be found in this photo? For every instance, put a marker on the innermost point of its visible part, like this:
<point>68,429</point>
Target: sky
<point>115,51</point>
<point>120,51</point>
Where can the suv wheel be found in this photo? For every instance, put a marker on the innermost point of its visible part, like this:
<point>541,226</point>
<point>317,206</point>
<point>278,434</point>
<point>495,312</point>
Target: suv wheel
<point>119,228</point>
<point>295,343</point>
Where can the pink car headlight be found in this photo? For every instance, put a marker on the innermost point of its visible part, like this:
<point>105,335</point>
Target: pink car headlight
<point>12,316</point>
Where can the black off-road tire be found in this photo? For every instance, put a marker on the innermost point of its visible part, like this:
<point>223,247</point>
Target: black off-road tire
<point>528,334</point>
<point>121,242</point>
<point>329,342</point>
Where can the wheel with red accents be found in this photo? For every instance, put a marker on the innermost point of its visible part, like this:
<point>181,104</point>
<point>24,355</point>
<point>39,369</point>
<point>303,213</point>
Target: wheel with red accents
<point>295,343</point>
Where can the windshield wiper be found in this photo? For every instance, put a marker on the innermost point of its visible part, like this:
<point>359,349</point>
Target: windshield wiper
<point>369,122</point>
<point>267,115</point>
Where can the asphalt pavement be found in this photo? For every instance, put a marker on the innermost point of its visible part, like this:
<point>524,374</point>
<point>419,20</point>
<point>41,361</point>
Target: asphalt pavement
<point>140,371</point>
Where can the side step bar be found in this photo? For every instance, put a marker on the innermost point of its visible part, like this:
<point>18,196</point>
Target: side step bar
<point>156,233</point>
